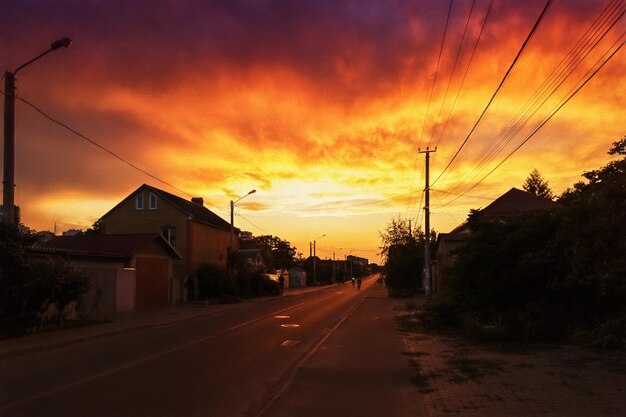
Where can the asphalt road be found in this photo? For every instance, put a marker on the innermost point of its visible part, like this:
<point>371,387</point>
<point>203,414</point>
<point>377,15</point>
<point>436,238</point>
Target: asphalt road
<point>228,364</point>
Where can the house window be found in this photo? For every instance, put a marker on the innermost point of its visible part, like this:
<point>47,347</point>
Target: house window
<point>152,204</point>
<point>169,233</point>
<point>139,202</point>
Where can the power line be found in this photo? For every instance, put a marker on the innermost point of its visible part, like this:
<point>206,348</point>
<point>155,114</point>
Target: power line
<point>443,40</point>
<point>469,63</point>
<point>577,54</point>
<point>506,75</point>
<point>574,91</point>
<point>471,196</point>
<point>432,89</point>
<point>53,120</point>
<point>456,60</point>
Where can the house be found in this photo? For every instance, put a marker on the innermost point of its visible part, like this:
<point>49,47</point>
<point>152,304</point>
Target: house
<point>509,205</point>
<point>125,271</point>
<point>198,235</point>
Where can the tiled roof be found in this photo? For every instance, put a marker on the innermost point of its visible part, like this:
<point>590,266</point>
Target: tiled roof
<point>116,246</point>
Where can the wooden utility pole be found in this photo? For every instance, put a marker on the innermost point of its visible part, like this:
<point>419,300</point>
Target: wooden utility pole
<point>428,283</point>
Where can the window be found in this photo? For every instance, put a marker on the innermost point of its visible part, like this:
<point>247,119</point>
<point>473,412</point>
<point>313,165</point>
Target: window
<point>139,202</point>
<point>152,204</point>
<point>169,233</point>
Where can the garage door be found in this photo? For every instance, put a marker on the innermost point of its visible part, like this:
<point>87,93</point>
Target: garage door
<point>152,282</point>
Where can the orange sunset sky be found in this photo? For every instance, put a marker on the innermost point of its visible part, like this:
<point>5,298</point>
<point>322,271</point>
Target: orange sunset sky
<point>320,106</point>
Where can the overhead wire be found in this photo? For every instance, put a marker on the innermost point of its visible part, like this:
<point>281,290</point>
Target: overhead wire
<point>467,67</point>
<point>432,89</point>
<point>589,75</point>
<point>500,85</point>
<point>93,142</point>
<point>570,62</point>
<point>577,54</point>
<point>456,60</point>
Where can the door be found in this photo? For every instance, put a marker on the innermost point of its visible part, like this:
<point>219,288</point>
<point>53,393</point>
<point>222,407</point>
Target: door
<point>152,281</point>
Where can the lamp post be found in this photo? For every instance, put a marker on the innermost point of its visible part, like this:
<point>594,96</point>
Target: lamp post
<point>315,258</point>
<point>8,182</point>
<point>232,228</point>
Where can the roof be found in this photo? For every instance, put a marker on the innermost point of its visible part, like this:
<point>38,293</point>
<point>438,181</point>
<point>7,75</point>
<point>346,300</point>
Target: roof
<point>515,202</point>
<point>109,246</point>
<point>192,210</point>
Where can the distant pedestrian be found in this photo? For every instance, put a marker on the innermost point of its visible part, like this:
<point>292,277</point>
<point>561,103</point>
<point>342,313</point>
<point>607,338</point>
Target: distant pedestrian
<point>353,281</point>
<point>358,282</point>
<point>281,284</point>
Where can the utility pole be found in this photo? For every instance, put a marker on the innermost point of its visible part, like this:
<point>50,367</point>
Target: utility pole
<point>8,182</point>
<point>428,283</point>
<point>314,265</point>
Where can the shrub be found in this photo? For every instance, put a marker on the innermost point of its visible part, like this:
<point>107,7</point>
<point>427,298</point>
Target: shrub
<point>29,287</point>
<point>214,282</point>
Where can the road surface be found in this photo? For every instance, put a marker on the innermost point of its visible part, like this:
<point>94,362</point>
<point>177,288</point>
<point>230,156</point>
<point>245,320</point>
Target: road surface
<point>228,364</point>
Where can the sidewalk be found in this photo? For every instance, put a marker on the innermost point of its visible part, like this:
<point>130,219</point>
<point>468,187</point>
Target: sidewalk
<point>128,322</point>
<point>455,377</point>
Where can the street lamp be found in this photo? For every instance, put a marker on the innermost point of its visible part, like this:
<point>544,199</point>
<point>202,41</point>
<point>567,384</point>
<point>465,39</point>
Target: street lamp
<point>315,257</point>
<point>8,182</point>
<point>232,227</point>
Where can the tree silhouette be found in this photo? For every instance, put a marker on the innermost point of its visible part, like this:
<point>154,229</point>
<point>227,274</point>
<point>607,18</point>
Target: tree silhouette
<point>535,184</point>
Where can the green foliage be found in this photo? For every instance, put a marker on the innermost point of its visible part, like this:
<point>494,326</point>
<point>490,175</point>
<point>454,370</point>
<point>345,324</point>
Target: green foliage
<point>554,274</point>
<point>29,287</point>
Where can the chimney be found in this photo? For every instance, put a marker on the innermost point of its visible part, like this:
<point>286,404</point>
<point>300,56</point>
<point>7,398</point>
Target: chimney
<point>198,200</point>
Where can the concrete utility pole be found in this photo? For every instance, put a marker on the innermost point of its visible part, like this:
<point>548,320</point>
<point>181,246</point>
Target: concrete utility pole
<point>315,258</point>
<point>232,231</point>
<point>8,183</point>
<point>428,280</point>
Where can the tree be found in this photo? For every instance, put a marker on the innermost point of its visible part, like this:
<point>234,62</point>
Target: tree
<point>556,273</point>
<point>29,286</point>
<point>535,184</point>
<point>403,252</point>
<point>276,253</point>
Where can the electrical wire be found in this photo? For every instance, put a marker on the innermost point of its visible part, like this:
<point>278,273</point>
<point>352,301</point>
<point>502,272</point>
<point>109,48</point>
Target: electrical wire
<point>572,93</point>
<point>93,142</point>
<point>469,63</point>
<point>456,61</point>
<point>577,54</point>
<point>506,75</point>
<point>570,62</point>
<point>432,88</point>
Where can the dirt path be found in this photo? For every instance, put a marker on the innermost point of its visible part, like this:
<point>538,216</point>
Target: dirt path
<point>457,377</point>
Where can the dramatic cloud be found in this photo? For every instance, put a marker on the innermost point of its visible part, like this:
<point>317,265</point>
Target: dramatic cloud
<point>319,105</point>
